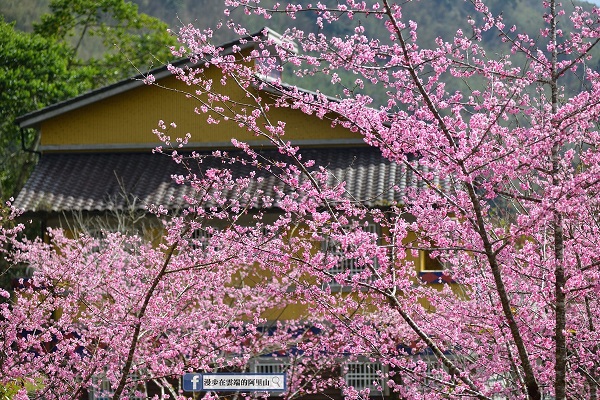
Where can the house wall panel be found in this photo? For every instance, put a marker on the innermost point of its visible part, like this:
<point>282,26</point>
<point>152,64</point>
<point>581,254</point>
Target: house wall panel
<point>126,121</point>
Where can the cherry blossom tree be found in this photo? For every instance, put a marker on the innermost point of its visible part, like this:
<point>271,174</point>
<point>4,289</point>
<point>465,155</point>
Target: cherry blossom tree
<point>515,223</point>
<point>122,310</point>
<point>507,174</point>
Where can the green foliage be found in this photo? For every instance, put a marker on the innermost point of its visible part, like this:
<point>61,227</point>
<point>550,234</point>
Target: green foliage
<point>79,45</point>
<point>128,40</point>
<point>8,391</point>
<point>34,73</point>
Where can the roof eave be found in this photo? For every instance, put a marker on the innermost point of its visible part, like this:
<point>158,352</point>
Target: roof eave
<point>34,118</point>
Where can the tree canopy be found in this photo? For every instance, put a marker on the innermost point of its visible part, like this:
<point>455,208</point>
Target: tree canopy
<point>51,64</point>
<point>34,72</point>
<point>131,41</point>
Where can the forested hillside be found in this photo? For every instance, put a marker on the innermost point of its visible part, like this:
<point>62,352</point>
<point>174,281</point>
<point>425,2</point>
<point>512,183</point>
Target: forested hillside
<point>436,17</point>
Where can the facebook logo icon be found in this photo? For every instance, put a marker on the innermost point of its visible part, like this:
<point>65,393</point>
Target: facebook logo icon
<point>192,382</point>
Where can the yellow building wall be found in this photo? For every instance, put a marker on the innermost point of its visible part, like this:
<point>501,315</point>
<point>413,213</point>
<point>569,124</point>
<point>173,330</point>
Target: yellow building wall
<point>128,119</point>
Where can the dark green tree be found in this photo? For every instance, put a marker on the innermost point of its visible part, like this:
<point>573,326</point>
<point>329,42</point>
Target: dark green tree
<point>34,72</point>
<point>78,46</point>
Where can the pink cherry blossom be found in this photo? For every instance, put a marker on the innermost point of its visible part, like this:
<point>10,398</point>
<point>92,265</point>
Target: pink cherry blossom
<point>503,165</point>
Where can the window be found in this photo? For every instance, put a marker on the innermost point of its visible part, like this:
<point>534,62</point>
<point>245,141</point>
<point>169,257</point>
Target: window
<point>200,238</point>
<point>206,238</point>
<point>365,374</point>
<point>430,263</point>
<point>100,236</point>
<point>344,264</point>
<point>101,388</point>
<point>431,269</point>
<point>269,365</point>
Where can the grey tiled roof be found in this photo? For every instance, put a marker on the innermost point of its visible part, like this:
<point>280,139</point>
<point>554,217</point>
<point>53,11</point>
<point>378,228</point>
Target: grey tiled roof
<point>107,181</point>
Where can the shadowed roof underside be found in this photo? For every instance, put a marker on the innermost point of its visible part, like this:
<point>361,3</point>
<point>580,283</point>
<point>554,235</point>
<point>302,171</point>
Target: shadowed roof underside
<point>117,181</point>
